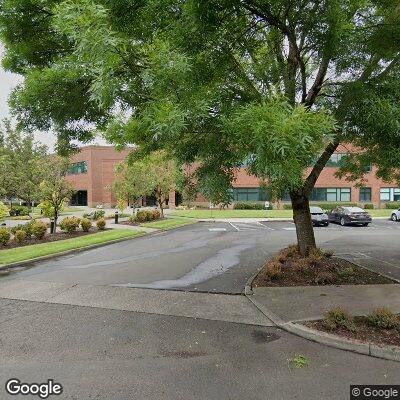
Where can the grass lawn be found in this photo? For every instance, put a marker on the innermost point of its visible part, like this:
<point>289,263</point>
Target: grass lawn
<point>169,223</point>
<point>25,253</point>
<point>382,212</point>
<point>200,214</point>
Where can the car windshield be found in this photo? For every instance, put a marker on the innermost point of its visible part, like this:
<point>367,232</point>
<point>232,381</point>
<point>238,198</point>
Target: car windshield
<point>316,210</point>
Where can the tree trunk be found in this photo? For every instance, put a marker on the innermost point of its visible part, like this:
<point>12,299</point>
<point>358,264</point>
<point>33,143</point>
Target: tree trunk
<point>55,225</point>
<point>302,220</point>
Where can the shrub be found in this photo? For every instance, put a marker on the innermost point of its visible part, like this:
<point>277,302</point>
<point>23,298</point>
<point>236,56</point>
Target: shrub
<point>383,318</point>
<point>339,318</point>
<point>19,211</point>
<point>156,214</point>
<point>4,211</point>
<point>369,206</point>
<point>98,214</point>
<point>5,236</point>
<point>27,228</point>
<point>149,215</point>
<point>20,236</point>
<point>248,206</point>
<point>133,219</point>
<point>86,224</point>
<point>39,229</point>
<point>70,224</point>
<point>141,216</point>
<point>392,205</point>
<point>287,206</point>
<point>101,224</point>
<point>274,270</point>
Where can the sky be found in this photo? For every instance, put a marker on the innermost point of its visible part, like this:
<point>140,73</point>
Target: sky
<point>8,82</point>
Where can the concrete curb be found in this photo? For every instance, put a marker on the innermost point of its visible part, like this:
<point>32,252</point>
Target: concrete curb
<point>5,267</point>
<point>391,353</point>
<point>386,352</point>
<point>156,232</point>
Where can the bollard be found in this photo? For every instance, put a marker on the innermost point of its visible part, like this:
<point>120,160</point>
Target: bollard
<point>116,217</point>
<point>52,227</point>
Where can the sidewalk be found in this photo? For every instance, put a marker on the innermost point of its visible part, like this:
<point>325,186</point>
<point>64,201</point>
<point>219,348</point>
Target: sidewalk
<point>289,304</point>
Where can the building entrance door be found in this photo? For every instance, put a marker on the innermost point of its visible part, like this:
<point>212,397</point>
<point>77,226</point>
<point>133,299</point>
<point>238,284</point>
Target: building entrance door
<point>80,198</point>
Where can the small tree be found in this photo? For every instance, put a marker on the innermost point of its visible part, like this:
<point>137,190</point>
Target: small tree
<point>55,190</point>
<point>164,176</point>
<point>4,212</point>
<point>154,174</point>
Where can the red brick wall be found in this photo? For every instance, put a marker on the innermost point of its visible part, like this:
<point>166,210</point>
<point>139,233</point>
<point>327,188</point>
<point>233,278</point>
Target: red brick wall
<point>101,166</point>
<point>327,179</point>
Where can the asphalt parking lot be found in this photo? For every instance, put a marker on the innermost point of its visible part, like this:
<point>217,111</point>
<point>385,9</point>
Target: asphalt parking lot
<point>214,257</point>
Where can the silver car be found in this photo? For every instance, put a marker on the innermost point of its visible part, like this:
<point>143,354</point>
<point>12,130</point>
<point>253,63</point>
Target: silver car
<point>318,217</point>
<point>395,215</point>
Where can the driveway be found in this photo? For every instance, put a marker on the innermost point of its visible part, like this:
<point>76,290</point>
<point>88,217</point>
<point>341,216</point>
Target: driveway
<point>94,323</point>
<point>211,257</point>
<point>97,353</point>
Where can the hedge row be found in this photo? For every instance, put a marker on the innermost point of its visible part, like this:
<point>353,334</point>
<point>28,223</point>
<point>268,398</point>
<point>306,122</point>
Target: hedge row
<point>392,205</point>
<point>248,206</point>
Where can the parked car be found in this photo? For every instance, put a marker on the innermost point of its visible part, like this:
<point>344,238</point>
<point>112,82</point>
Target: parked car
<point>318,217</point>
<point>395,215</point>
<point>349,216</point>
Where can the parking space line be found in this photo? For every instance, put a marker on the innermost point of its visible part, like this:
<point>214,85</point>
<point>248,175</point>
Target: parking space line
<point>265,226</point>
<point>233,226</point>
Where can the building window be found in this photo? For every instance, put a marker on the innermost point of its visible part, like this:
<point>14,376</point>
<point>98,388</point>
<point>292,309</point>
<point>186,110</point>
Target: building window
<point>249,194</point>
<point>337,159</point>
<point>365,194</point>
<point>78,168</point>
<point>390,194</point>
<point>331,194</point>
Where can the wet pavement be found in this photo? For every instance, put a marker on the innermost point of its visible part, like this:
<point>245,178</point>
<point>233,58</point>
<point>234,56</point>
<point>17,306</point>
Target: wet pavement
<point>214,257</point>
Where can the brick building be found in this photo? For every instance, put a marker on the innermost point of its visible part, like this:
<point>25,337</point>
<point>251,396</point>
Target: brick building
<point>93,170</point>
<point>328,188</point>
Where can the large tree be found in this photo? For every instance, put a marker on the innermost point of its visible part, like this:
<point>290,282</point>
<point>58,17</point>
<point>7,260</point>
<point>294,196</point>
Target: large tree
<point>277,83</point>
<point>24,163</point>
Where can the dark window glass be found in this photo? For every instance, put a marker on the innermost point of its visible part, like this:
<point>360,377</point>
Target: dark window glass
<point>331,194</point>
<point>78,168</point>
<point>249,194</point>
<point>365,194</point>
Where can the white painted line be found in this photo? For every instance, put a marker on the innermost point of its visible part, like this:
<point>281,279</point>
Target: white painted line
<point>264,226</point>
<point>217,229</point>
<point>289,229</point>
<point>233,226</point>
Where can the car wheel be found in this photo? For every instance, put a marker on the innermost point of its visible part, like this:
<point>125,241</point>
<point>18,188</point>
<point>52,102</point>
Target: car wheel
<point>365,224</point>
<point>326,224</point>
<point>394,217</point>
<point>342,221</point>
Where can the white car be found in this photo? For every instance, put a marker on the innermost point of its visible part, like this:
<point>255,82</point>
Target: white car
<point>395,215</point>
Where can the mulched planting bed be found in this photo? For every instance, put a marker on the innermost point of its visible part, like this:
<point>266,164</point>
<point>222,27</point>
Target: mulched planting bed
<point>363,331</point>
<point>49,238</point>
<point>141,223</point>
<point>289,268</point>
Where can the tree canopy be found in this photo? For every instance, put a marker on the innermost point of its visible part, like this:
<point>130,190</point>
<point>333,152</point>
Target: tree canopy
<point>275,83</point>
<point>24,164</point>
<point>155,174</point>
